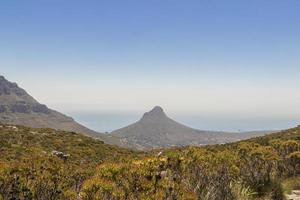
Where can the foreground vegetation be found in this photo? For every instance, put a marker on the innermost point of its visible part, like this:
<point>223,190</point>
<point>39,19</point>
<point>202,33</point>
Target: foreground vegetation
<point>48,164</point>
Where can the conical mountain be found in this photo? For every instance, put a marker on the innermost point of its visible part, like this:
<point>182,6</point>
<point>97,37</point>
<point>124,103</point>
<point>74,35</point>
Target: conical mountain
<point>18,107</point>
<point>156,130</point>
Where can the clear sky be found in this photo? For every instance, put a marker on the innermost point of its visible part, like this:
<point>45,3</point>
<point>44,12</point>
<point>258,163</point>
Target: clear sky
<point>233,62</point>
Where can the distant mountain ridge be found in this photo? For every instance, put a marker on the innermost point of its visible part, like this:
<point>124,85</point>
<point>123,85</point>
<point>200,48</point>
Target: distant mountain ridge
<point>156,130</point>
<point>18,107</point>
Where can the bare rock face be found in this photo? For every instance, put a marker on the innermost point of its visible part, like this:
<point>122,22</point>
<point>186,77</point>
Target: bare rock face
<point>7,88</point>
<point>16,100</point>
<point>3,108</point>
<point>40,108</point>
<point>156,113</point>
<point>20,108</point>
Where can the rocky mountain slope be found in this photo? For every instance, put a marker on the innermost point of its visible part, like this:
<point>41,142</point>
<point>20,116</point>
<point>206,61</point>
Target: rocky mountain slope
<point>156,130</point>
<point>18,107</point>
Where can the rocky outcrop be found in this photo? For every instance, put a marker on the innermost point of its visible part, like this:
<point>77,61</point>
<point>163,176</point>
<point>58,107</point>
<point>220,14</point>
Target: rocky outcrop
<point>3,108</point>
<point>8,88</point>
<point>39,108</point>
<point>24,108</point>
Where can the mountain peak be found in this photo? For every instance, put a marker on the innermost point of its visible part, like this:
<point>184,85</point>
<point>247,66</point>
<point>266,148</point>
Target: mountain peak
<point>155,113</point>
<point>3,80</point>
<point>9,88</point>
<point>156,109</point>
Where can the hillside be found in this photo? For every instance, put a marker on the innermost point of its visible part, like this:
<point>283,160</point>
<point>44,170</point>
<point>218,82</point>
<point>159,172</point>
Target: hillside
<point>50,164</point>
<point>262,168</point>
<point>46,163</point>
<point>20,142</point>
<point>19,108</point>
<point>156,130</point>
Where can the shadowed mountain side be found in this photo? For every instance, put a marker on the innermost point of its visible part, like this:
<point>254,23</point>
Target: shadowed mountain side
<point>156,130</point>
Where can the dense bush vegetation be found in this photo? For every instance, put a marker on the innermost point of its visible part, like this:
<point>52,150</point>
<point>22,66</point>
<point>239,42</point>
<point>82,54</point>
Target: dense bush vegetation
<point>48,164</point>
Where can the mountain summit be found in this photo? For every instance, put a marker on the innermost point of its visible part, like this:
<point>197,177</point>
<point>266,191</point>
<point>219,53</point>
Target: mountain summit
<point>156,130</point>
<point>156,113</point>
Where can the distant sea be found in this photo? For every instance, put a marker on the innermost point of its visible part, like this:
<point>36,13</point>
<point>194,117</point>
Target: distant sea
<point>109,121</point>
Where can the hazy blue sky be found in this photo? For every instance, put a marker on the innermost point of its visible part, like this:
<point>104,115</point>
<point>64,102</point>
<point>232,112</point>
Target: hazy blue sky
<point>234,63</point>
